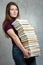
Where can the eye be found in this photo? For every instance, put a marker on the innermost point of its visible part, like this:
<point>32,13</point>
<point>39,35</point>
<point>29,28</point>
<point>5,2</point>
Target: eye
<point>11,9</point>
<point>14,9</point>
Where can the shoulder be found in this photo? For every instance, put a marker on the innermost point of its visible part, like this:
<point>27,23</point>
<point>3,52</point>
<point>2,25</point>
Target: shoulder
<point>7,26</point>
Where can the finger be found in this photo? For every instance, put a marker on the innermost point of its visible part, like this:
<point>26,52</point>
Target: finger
<point>29,53</point>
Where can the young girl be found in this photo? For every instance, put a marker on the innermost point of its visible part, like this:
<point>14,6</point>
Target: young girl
<point>18,51</point>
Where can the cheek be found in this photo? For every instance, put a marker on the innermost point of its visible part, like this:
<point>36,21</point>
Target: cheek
<point>11,12</point>
<point>16,12</point>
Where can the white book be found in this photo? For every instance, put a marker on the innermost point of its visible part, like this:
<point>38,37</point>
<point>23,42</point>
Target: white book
<point>34,44</point>
<point>20,21</point>
<point>26,33</point>
<point>35,54</point>
<point>25,27</point>
<point>26,39</point>
<point>21,25</point>
<point>22,30</point>
<point>32,47</point>
<point>30,43</point>
<point>29,35</point>
<point>36,50</point>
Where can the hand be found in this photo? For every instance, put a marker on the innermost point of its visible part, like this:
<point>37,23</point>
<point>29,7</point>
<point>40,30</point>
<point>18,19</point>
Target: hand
<point>26,53</point>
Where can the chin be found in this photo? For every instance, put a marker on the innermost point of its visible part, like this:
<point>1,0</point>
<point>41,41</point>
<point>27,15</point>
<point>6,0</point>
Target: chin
<point>14,16</point>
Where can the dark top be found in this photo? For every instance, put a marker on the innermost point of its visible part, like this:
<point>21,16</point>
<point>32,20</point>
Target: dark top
<point>10,26</point>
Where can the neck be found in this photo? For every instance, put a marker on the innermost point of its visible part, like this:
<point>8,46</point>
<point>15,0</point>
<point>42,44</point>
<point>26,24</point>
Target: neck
<point>13,19</point>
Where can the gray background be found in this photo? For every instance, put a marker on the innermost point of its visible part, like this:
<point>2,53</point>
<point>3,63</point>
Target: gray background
<point>31,10</point>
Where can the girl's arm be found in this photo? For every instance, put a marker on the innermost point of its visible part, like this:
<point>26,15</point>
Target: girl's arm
<point>17,42</point>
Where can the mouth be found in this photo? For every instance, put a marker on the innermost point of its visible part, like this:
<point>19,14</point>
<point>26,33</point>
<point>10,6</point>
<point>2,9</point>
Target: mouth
<point>14,14</point>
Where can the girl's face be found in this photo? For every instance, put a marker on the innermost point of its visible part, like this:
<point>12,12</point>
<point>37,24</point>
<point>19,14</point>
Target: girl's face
<point>13,11</point>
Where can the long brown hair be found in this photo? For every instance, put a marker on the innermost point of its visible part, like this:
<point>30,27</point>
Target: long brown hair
<point>7,14</point>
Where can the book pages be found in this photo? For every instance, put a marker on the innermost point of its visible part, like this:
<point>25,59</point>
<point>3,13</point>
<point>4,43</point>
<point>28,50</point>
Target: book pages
<point>28,36</point>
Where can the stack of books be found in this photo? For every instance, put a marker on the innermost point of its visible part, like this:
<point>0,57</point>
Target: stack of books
<point>28,36</point>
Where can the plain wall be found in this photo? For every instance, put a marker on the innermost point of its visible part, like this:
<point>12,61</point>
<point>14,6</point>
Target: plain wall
<point>31,10</point>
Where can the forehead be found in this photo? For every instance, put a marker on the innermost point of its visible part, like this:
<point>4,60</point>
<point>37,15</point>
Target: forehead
<point>13,6</point>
